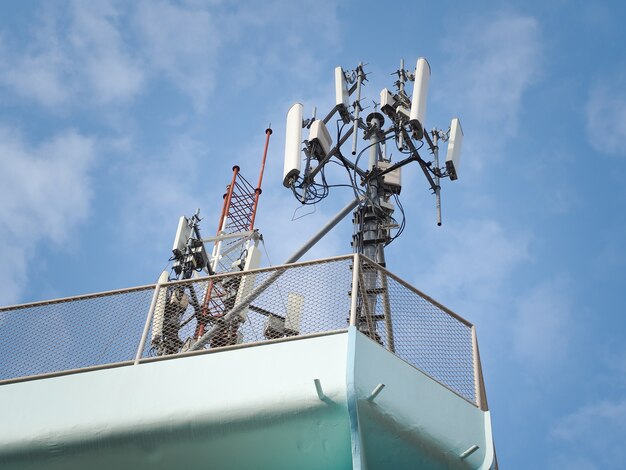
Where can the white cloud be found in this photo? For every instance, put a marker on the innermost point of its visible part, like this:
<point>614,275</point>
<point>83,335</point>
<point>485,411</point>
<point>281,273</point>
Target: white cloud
<point>36,76</point>
<point>76,54</point>
<point>479,256</point>
<point>37,72</point>
<point>493,60</point>
<point>606,116</point>
<point>45,192</point>
<point>596,432</point>
<point>108,53</point>
<point>302,28</point>
<point>158,189</point>
<point>181,41</point>
<point>104,55</point>
<point>543,324</point>
<point>584,422</point>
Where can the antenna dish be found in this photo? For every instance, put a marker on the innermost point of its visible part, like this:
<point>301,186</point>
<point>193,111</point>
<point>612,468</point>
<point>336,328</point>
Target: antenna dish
<point>418,102</point>
<point>379,118</point>
<point>454,148</point>
<point>293,145</point>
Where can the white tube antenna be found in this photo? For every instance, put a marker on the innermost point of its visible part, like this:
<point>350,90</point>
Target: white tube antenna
<point>293,145</point>
<point>159,309</point>
<point>418,102</point>
<point>455,141</point>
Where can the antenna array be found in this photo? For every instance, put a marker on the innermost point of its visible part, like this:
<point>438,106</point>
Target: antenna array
<point>399,126</point>
<point>377,180</point>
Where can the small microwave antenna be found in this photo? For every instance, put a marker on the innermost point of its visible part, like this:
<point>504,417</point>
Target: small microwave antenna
<point>397,120</point>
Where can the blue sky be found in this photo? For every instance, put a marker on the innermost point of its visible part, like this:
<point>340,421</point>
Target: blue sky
<point>118,117</point>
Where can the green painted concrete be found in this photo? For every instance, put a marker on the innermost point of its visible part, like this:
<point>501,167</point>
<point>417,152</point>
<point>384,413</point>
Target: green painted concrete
<point>249,408</point>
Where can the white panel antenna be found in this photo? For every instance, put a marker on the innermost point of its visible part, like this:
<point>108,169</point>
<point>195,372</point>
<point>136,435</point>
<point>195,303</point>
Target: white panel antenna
<point>293,319</point>
<point>289,325</point>
<point>252,261</point>
<point>453,155</point>
<point>183,232</point>
<point>341,88</point>
<point>293,145</point>
<point>320,138</point>
<point>418,102</point>
<point>387,103</point>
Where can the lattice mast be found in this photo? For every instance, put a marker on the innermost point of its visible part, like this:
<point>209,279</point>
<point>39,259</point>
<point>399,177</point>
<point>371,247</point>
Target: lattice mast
<point>234,240</point>
<point>235,248</point>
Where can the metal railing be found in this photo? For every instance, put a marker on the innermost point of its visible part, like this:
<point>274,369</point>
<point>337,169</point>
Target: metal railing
<point>283,302</point>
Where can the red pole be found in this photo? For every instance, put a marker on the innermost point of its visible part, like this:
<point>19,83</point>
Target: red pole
<point>258,190</point>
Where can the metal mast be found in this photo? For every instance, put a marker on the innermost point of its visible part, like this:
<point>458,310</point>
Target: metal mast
<point>235,248</point>
<point>232,246</point>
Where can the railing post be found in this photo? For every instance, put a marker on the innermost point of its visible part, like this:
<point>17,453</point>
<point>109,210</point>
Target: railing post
<point>144,335</point>
<point>477,375</point>
<point>356,265</point>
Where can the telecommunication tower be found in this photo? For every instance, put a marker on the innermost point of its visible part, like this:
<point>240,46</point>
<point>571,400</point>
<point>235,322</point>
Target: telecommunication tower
<point>398,121</point>
<point>235,248</point>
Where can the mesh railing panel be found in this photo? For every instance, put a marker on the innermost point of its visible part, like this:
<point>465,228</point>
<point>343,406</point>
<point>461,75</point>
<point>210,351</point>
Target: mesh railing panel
<point>419,331</point>
<point>261,305</point>
<point>258,306</point>
<point>71,334</point>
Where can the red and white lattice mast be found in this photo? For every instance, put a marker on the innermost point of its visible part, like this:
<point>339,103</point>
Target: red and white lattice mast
<point>236,245</point>
<point>235,248</point>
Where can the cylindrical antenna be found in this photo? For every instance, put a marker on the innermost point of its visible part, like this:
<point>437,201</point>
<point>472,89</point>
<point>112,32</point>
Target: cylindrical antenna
<point>357,106</point>
<point>437,187</point>
<point>293,145</point>
<point>418,102</point>
<point>258,190</point>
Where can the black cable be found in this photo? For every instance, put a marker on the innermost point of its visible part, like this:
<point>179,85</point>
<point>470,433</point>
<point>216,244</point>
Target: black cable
<point>402,224</point>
